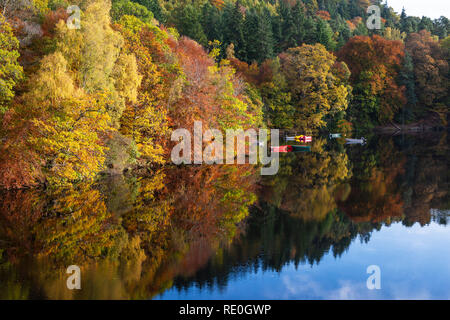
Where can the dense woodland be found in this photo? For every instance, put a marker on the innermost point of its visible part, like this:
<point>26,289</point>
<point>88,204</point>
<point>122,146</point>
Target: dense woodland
<point>76,102</point>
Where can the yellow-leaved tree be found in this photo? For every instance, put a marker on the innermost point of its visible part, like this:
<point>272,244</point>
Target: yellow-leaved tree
<point>145,118</point>
<point>95,54</point>
<point>316,92</point>
<point>10,70</point>
<point>78,96</point>
<point>69,124</point>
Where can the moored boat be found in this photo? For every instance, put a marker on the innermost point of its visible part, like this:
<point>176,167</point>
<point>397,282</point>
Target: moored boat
<point>300,138</point>
<point>281,149</point>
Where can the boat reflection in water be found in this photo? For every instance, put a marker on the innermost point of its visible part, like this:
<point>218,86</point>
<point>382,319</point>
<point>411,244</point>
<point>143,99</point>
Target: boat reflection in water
<point>291,148</point>
<point>361,141</point>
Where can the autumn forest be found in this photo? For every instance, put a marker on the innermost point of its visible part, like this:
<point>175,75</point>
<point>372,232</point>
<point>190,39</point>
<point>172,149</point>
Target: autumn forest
<point>89,100</point>
<point>76,102</point>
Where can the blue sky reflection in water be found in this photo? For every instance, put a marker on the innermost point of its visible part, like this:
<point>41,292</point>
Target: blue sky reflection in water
<point>396,184</point>
<point>414,264</point>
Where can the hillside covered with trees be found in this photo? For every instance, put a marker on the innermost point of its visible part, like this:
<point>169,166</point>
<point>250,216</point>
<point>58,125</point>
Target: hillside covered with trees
<point>78,101</point>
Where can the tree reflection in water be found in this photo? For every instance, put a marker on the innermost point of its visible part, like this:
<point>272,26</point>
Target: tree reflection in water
<point>135,237</point>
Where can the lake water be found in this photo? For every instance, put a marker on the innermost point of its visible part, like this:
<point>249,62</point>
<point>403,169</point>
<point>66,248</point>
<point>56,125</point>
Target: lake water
<point>225,232</point>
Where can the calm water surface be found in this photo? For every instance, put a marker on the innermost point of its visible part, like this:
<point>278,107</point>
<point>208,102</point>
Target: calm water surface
<point>225,232</point>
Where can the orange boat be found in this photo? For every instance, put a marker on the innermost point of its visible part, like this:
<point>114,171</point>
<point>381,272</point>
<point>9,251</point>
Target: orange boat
<point>282,149</point>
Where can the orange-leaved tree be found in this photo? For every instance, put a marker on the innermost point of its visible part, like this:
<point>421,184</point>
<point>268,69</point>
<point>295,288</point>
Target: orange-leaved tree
<point>374,63</point>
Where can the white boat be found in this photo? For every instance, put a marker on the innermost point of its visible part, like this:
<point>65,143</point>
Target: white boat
<point>356,141</point>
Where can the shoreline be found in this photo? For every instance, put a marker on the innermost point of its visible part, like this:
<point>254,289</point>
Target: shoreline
<point>416,127</point>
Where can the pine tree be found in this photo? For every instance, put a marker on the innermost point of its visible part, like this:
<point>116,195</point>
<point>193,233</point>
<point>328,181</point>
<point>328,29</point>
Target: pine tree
<point>251,33</point>
<point>277,34</point>
<point>287,27</point>
<point>311,31</point>
<point>343,30</point>
<point>427,24</point>
<point>212,22</point>
<point>406,78</point>
<point>442,27</point>
<point>267,41</point>
<point>311,6</point>
<point>234,29</point>
<point>187,21</point>
<point>258,36</point>
<point>403,15</point>
<point>325,35</point>
<point>298,19</point>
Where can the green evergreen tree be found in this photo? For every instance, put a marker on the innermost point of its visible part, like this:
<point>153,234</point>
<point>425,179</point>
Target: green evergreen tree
<point>406,78</point>
<point>258,36</point>
<point>234,29</point>
<point>310,27</point>
<point>277,33</point>
<point>343,30</point>
<point>298,18</point>
<point>442,27</point>
<point>325,35</point>
<point>427,24</point>
<point>187,21</point>
<point>212,22</point>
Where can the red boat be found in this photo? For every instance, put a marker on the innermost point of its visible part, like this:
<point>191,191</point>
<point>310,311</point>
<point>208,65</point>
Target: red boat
<point>282,149</point>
